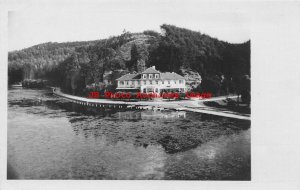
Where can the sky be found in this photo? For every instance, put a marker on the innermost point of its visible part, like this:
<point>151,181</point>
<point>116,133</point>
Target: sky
<point>67,21</point>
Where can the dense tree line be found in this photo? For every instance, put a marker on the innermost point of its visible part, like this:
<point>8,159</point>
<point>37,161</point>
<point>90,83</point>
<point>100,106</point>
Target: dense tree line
<point>222,66</point>
<point>88,64</point>
<point>39,61</point>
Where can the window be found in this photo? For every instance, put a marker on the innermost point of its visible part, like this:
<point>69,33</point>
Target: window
<point>138,82</point>
<point>175,81</point>
<point>163,82</point>
<point>180,81</point>
<point>156,81</point>
<point>150,76</point>
<point>127,82</point>
<point>150,81</point>
<point>150,89</point>
<point>169,82</point>
<point>144,82</point>
<point>156,76</point>
<point>144,76</point>
<point>122,82</point>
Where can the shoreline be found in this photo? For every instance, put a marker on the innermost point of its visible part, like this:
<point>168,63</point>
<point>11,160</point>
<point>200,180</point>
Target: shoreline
<point>182,105</point>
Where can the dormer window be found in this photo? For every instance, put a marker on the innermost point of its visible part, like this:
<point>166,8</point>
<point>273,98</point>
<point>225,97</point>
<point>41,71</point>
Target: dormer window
<point>156,76</point>
<point>144,76</point>
<point>150,76</point>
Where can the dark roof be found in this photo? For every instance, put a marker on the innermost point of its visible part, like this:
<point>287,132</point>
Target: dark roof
<point>151,70</point>
<point>170,76</point>
<point>163,76</point>
<point>129,76</point>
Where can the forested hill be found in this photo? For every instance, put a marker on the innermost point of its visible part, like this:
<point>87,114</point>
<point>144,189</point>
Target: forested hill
<point>36,61</point>
<point>75,65</point>
<point>181,48</point>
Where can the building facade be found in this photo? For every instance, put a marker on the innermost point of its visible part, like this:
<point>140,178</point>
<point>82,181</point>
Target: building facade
<point>151,80</point>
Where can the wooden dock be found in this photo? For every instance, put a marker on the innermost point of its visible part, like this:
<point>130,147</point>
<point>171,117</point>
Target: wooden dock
<point>154,105</point>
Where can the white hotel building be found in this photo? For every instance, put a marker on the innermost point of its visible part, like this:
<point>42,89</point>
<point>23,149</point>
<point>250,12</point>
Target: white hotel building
<point>152,80</point>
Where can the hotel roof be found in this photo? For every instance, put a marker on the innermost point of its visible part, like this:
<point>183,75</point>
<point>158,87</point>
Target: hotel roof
<point>163,76</point>
<point>170,76</point>
<point>129,76</point>
<point>150,70</point>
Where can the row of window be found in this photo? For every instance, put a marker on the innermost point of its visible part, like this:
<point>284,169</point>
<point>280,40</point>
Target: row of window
<point>150,76</point>
<point>151,82</point>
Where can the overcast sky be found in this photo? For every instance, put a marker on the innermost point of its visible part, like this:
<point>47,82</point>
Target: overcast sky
<point>61,22</point>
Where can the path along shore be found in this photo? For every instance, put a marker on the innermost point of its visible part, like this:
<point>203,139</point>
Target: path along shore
<point>193,105</point>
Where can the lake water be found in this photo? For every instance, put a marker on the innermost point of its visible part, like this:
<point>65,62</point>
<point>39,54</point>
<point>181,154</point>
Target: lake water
<point>49,138</point>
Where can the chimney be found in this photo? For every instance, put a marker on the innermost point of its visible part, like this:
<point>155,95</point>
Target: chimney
<point>153,67</point>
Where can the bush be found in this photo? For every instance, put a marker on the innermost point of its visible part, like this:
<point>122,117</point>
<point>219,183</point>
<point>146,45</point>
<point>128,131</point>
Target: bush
<point>210,85</point>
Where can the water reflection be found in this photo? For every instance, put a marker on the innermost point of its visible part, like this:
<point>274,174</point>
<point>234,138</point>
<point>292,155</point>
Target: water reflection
<point>212,161</point>
<point>174,134</point>
<point>150,115</point>
<point>49,138</point>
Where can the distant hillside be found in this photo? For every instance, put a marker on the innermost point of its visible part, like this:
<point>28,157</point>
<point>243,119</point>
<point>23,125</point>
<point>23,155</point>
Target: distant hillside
<point>192,54</point>
<point>36,61</point>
